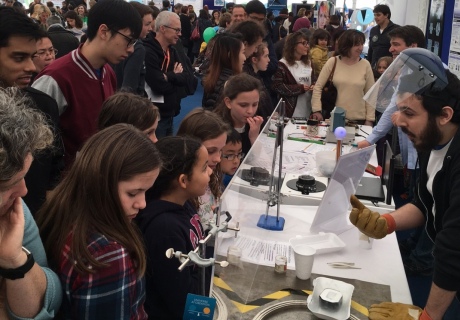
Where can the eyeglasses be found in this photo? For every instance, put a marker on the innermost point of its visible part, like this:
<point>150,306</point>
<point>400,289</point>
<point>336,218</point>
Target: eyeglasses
<point>178,30</point>
<point>131,41</point>
<point>305,43</point>
<point>232,157</point>
<point>42,53</point>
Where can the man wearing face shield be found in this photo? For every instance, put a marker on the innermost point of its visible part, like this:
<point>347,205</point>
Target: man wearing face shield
<point>428,101</point>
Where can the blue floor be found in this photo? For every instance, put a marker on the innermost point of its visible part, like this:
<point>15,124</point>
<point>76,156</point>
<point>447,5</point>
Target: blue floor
<point>419,285</point>
<point>188,104</point>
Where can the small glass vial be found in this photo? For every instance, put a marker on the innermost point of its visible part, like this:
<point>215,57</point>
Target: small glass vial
<point>280,264</point>
<point>233,255</point>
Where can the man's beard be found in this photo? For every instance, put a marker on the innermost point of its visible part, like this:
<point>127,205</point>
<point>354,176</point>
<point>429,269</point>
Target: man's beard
<point>429,138</point>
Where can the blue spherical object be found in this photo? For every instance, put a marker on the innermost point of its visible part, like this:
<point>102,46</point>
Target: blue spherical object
<point>340,133</point>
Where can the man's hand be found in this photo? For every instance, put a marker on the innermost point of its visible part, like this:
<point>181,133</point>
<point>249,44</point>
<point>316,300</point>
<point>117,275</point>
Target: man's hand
<point>254,127</point>
<point>392,310</point>
<point>363,144</point>
<point>371,223</point>
<point>11,235</point>
<point>178,67</point>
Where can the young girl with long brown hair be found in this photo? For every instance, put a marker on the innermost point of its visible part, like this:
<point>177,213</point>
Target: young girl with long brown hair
<point>86,225</point>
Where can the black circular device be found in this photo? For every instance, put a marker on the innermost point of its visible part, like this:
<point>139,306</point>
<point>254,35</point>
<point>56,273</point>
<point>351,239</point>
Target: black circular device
<point>256,176</point>
<point>306,184</point>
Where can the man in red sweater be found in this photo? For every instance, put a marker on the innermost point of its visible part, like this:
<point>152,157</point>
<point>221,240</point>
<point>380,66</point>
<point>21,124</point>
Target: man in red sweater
<point>82,80</point>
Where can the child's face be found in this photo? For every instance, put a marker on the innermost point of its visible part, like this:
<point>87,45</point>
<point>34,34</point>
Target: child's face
<point>322,43</point>
<point>234,152</point>
<point>244,106</point>
<point>263,61</point>
<point>382,66</point>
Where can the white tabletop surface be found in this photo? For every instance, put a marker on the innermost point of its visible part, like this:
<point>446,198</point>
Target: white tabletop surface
<point>381,264</point>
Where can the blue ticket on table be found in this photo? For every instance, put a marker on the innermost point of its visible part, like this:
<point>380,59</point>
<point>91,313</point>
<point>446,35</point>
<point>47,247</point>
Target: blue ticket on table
<point>199,307</point>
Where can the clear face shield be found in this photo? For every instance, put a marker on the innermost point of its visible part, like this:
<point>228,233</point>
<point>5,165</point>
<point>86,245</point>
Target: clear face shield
<point>413,72</point>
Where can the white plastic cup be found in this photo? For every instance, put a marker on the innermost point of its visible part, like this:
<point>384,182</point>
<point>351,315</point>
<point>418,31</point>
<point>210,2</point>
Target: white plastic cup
<point>365,242</point>
<point>234,255</point>
<point>303,257</point>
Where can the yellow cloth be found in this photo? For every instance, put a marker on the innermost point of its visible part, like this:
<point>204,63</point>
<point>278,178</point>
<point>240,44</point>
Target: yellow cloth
<point>318,56</point>
<point>392,310</point>
<point>203,46</point>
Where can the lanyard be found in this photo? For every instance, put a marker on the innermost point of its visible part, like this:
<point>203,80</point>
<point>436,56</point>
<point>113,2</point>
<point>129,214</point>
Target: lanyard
<point>165,64</point>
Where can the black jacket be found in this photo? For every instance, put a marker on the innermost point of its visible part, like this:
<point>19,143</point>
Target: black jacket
<point>44,173</point>
<point>131,71</point>
<point>156,69</point>
<point>211,99</point>
<point>444,227</point>
<point>186,27</point>
<point>379,43</point>
<point>167,225</point>
<point>63,40</point>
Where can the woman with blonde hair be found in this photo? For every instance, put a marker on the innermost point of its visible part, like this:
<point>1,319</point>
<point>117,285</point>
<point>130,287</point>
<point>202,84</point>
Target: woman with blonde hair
<point>40,15</point>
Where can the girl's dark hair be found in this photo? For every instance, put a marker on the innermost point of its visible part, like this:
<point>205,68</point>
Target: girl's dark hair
<point>179,155</point>
<point>205,125</point>
<point>233,137</point>
<point>73,15</point>
<point>126,107</point>
<point>235,85</point>
<point>347,40</point>
<point>319,34</point>
<point>334,20</point>
<point>289,47</point>
<point>203,15</point>
<point>250,30</point>
<point>87,199</point>
<point>225,54</point>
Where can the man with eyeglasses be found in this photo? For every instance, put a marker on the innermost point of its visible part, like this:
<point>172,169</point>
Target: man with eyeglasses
<point>18,47</point>
<point>164,72</point>
<point>45,54</point>
<point>82,80</point>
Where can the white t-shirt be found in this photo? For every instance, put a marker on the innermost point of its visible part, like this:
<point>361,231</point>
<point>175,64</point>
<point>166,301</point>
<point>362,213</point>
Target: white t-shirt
<point>302,75</point>
<point>434,165</point>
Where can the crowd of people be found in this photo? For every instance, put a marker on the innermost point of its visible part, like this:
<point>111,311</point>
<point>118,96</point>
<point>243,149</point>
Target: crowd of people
<point>95,187</point>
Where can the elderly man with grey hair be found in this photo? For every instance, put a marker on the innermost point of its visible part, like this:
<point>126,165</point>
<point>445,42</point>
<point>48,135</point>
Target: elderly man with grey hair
<point>28,289</point>
<point>164,72</point>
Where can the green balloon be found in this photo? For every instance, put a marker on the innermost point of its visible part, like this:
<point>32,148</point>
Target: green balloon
<point>208,33</point>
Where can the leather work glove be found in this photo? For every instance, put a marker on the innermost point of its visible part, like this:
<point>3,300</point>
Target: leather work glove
<point>394,310</point>
<point>371,223</point>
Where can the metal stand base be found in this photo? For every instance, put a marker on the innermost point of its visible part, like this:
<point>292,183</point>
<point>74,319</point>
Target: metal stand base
<point>271,223</point>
